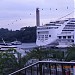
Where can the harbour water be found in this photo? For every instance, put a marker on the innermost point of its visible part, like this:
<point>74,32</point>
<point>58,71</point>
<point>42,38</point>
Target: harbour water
<point>27,45</point>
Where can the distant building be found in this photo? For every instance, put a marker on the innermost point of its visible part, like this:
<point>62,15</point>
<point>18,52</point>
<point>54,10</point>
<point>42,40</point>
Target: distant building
<point>60,32</point>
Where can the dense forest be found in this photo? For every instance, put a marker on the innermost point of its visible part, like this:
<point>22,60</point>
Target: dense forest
<point>25,35</point>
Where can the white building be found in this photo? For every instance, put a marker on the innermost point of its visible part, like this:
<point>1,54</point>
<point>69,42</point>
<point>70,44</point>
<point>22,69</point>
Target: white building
<point>62,31</point>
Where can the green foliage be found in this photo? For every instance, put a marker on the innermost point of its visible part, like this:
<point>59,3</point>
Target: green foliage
<point>11,50</point>
<point>41,54</point>
<point>8,62</point>
<point>25,34</point>
<point>70,54</point>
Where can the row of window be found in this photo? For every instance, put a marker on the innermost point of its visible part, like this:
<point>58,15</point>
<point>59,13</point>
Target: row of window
<point>66,40</point>
<point>66,32</point>
<point>64,37</point>
<point>69,28</point>
<point>43,37</point>
<point>43,32</point>
<point>47,28</point>
<point>70,25</point>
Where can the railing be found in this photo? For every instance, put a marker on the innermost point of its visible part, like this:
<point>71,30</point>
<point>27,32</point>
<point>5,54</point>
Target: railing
<point>48,68</point>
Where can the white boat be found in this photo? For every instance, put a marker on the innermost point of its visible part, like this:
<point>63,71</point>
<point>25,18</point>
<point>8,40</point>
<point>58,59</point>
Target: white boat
<point>4,48</point>
<point>16,43</point>
<point>61,32</point>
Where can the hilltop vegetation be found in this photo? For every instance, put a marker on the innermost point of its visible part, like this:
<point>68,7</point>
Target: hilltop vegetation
<point>25,35</point>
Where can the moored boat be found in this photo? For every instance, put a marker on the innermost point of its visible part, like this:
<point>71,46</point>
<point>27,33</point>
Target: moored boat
<point>16,43</point>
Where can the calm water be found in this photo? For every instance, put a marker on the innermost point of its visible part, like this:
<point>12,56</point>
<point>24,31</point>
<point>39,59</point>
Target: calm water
<point>27,45</point>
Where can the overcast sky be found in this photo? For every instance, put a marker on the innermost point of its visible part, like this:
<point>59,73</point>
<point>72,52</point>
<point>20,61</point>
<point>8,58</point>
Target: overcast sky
<point>15,14</point>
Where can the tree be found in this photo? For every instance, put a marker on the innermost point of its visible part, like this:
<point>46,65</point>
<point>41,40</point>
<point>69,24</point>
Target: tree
<point>25,34</point>
<point>8,62</point>
<point>70,54</point>
<point>41,54</point>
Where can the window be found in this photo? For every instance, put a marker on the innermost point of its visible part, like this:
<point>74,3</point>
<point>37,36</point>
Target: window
<point>72,40</point>
<point>69,37</point>
<point>46,36</point>
<point>64,37</point>
<point>49,35</point>
<point>59,37</point>
<point>38,37</point>
<point>42,36</point>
